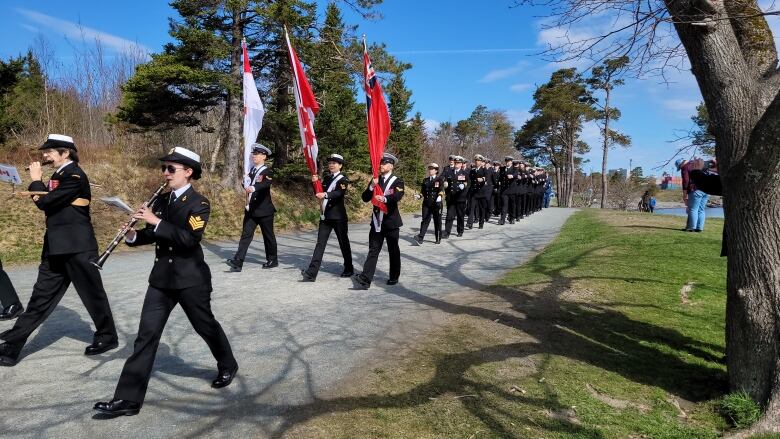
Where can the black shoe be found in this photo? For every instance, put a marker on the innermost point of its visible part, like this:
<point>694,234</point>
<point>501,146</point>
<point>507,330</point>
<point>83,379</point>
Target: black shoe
<point>361,282</point>
<point>697,230</point>
<point>445,236</point>
<point>235,265</point>
<point>501,222</point>
<point>100,346</point>
<point>271,264</point>
<point>438,240</point>
<point>118,407</point>
<point>418,239</point>
<point>307,277</point>
<point>347,273</point>
<point>482,226</point>
<point>224,378</point>
<point>469,226</point>
<point>9,354</point>
<point>11,311</point>
<point>459,235</point>
<point>511,221</point>
<point>392,281</point>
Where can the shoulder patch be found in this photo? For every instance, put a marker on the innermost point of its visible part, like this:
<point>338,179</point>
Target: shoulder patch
<point>196,222</point>
<point>184,198</point>
<point>343,185</point>
<point>399,188</point>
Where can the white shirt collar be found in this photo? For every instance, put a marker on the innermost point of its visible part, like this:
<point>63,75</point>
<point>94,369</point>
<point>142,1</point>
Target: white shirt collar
<point>387,175</point>
<point>66,164</point>
<point>181,190</point>
<point>336,174</point>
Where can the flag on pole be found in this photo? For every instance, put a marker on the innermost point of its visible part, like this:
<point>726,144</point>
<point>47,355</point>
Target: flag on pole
<point>253,111</point>
<point>307,108</point>
<point>378,120</point>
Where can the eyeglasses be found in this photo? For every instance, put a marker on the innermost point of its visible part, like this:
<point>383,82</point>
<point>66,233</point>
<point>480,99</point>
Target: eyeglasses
<point>170,168</point>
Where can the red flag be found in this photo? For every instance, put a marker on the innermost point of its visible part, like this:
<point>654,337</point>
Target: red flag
<point>307,108</point>
<point>378,119</point>
<point>253,111</point>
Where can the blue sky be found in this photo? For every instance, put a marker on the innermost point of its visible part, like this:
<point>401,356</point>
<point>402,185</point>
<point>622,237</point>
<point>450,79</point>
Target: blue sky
<point>462,56</point>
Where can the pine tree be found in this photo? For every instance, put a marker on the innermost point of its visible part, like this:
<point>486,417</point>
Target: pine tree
<point>341,122</point>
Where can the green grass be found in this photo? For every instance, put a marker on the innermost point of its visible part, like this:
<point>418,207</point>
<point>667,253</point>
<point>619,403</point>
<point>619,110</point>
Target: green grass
<point>740,409</point>
<point>590,339</point>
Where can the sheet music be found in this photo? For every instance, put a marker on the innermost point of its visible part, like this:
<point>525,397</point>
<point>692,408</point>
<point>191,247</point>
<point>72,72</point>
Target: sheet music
<point>117,203</point>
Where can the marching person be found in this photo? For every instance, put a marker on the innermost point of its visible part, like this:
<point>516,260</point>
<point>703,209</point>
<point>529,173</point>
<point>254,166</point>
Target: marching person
<point>457,194</point>
<point>333,217</point>
<point>384,226</point>
<point>508,189</point>
<point>259,211</point>
<point>175,223</point>
<point>68,247</point>
<point>11,305</point>
<point>477,194</point>
<point>495,183</point>
<point>431,194</point>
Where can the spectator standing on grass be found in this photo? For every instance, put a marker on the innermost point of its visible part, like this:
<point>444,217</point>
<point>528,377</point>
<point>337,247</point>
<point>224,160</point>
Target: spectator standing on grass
<point>652,204</point>
<point>694,199</point>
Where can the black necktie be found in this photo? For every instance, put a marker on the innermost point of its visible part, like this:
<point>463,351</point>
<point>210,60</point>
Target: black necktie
<point>172,198</point>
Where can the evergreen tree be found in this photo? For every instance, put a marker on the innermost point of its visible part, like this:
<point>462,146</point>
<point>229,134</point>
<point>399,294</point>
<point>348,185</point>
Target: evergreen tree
<point>21,95</point>
<point>341,122</point>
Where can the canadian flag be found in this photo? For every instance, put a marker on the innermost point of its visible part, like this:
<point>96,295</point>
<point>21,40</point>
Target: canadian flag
<point>253,111</point>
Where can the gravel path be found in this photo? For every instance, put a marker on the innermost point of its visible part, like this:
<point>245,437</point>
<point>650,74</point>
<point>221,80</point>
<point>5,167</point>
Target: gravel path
<point>293,340</point>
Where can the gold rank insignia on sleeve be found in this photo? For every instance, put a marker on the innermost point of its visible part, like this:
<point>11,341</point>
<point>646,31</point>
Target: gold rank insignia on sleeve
<point>343,186</point>
<point>196,222</point>
<point>203,203</point>
<point>75,176</point>
<point>399,189</point>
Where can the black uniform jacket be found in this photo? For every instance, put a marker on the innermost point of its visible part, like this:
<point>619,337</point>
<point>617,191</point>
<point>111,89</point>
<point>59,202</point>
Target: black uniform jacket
<point>524,182</point>
<point>178,257</point>
<point>458,185</point>
<point>334,209</point>
<point>431,189</point>
<point>393,193</point>
<point>508,180</point>
<point>478,178</point>
<point>260,203</point>
<point>66,205</point>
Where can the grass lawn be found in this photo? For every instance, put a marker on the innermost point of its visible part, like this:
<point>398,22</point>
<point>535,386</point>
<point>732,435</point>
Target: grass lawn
<point>616,330</point>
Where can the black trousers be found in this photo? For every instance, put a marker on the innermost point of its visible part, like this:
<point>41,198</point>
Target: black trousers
<point>455,210</point>
<point>507,205</point>
<point>520,205</point>
<point>323,234</point>
<point>158,304</point>
<point>55,275</point>
<point>375,243</point>
<point>431,211</point>
<point>8,294</point>
<point>266,224</point>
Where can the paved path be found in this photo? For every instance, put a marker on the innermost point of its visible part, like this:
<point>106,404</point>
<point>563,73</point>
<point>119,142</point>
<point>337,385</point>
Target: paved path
<point>293,340</point>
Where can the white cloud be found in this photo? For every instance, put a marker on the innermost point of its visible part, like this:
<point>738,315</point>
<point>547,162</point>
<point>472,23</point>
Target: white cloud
<point>495,75</point>
<point>431,125</point>
<point>77,31</point>
<point>684,107</point>
<point>519,88</point>
<point>518,117</point>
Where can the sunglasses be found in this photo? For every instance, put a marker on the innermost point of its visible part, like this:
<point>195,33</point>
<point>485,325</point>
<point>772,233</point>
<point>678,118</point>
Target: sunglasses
<point>170,168</point>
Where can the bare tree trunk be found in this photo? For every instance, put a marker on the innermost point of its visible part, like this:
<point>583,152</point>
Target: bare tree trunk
<point>735,65</point>
<point>606,149</point>
<point>231,121</point>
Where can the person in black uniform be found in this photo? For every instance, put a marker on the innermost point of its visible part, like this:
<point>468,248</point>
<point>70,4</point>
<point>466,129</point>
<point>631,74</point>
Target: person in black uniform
<point>11,305</point>
<point>175,222</point>
<point>68,247</point>
<point>384,226</point>
<point>457,193</point>
<point>477,196</point>
<point>523,191</point>
<point>259,211</point>
<point>431,193</point>
<point>508,190</point>
<point>333,216</point>
<point>494,204</point>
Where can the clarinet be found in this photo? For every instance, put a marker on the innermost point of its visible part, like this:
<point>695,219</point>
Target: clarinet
<point>122,232</point>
